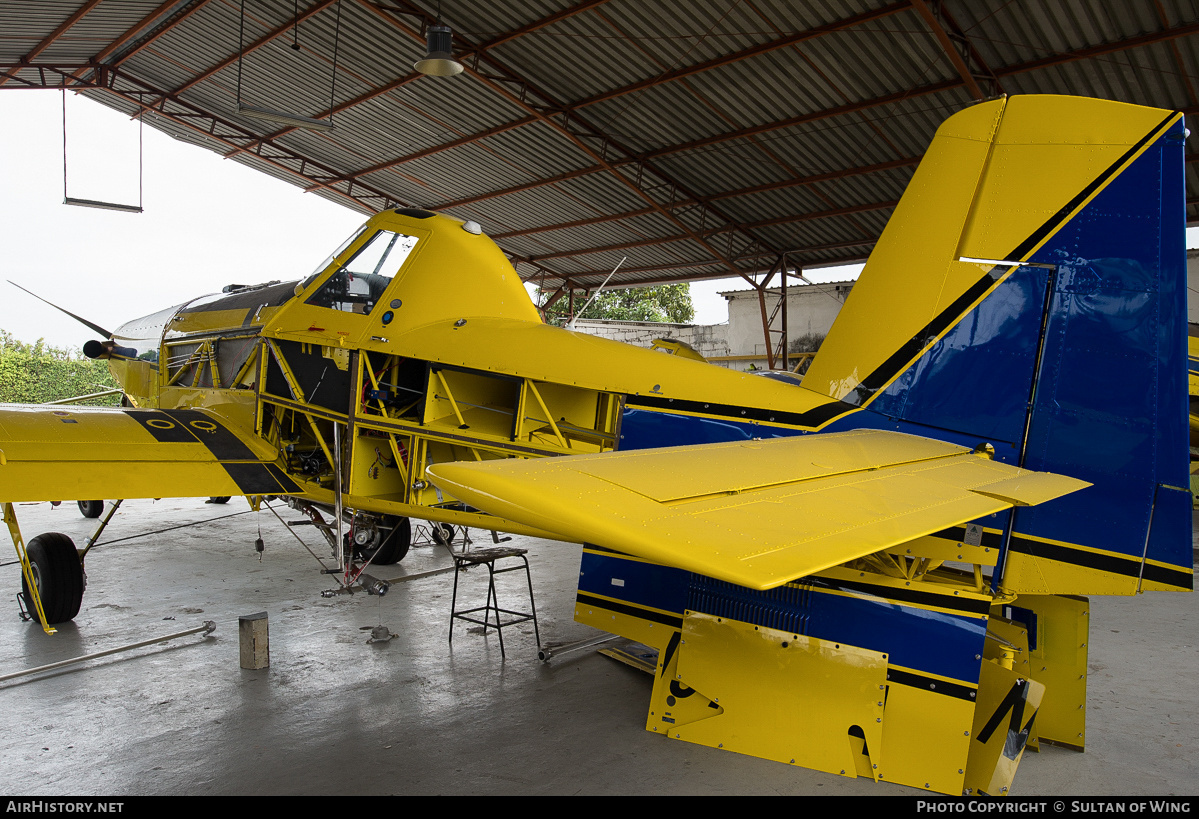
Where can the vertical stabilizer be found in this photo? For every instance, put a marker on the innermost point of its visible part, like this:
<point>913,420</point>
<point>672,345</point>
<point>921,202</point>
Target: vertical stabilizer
<point>1029,292</point>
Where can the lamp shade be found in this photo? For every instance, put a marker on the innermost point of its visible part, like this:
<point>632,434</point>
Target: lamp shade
<point>439,58</point>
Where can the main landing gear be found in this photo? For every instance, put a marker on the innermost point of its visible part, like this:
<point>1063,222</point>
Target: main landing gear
<point>58,574</point>
<point>91,509</point>
<point>383,543</point>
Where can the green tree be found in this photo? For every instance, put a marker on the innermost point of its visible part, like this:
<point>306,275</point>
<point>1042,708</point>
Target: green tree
<point>667,303</point>
<point>35,373</point>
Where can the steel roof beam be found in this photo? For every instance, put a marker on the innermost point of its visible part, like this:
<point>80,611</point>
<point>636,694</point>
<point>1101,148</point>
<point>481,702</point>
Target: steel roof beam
<point>769,186</point>
<point>944,28</point>
<point>1178,63</point>
<point>434,149</point>
<point>554,298</point>
<point>822,214</point>
<point>312,10</point>
<point>357,195</point>
<point>537,25</point>
<point>399,82</point>
<point>575,129</point>
<point>180,14</point>
<point>595,220</point>
<point>154,101</point>
<point>407,78</point>
<point>745,54</point>
<point>925,90</point>
<point>957,47</point>
<point>764,188</point>
<point>527,186</point>
<point>682,237</point>
<point>53,36</point>
<point>597,276</point>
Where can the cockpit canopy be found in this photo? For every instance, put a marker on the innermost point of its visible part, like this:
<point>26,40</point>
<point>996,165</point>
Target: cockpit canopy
<point>358,284</point>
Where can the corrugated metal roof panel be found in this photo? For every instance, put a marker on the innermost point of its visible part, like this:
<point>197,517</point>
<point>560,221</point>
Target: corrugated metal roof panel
<point>821,103</point>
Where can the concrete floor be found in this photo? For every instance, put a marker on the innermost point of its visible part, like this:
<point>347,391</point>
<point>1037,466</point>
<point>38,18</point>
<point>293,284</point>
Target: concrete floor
<point>334,715</point>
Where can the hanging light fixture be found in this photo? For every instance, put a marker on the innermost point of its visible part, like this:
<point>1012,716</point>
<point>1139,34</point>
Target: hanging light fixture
<point>284,117</point>
<point>439,58</point>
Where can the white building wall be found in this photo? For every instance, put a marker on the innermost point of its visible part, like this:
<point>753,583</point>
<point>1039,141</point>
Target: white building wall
<point>810,309</point>
<point>708,340</point>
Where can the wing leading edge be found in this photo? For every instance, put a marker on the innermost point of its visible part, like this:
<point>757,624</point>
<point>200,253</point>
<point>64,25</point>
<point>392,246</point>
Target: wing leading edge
<point>754,513</point>
<point>59,453</point>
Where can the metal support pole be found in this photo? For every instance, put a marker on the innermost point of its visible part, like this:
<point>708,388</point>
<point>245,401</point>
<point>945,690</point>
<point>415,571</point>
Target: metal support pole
<point>766,330</point>
<point>786,340</point>
<point>337,547</point>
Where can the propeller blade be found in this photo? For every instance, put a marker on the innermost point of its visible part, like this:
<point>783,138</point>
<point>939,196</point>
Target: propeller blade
<point>82,321</point>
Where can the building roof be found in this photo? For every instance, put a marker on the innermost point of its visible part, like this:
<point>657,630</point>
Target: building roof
<point>792,289</point>
<point>693,138</point>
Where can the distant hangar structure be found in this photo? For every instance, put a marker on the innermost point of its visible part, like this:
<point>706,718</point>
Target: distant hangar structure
<point>700,139</point>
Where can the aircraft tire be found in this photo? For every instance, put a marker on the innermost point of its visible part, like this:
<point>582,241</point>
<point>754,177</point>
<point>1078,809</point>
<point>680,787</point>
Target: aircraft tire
<point>396,544</point>
<point>442,533</point>
<point>58,574</point>
<point>219,499</point>
<point>91,509</point>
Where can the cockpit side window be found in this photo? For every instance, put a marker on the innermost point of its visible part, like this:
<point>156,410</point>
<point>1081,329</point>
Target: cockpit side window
<point>358,285</point>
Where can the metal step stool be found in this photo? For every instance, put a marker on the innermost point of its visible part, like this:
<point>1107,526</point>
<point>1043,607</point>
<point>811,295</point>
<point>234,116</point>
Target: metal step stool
<point>488,557</point>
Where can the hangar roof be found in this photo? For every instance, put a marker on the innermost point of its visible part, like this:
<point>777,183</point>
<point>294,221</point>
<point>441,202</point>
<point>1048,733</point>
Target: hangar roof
<point>697,138</point>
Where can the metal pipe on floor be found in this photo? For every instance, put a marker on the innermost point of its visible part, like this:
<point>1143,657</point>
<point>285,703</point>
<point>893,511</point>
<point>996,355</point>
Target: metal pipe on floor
<point>208,627</point>
<point>549,651</point>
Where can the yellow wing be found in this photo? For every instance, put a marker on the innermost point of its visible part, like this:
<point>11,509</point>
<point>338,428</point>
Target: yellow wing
<point>56,453</point>
<point>754,513</point>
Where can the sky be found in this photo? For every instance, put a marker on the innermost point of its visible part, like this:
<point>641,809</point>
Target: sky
<point>207,222</point>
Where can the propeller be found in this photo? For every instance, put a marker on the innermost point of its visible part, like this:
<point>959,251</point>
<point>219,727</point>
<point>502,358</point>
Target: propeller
<point>96,327</point>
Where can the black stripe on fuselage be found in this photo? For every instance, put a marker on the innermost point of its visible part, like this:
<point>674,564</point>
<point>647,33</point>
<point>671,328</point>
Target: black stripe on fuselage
<point>672,620</point>
<point>912,680</point>
<point>957,534</point>
<point>812,418</point>
<point>1053,222</point>
<point>1112,564</point>
<point>894,676</point>
<point>901,596</point>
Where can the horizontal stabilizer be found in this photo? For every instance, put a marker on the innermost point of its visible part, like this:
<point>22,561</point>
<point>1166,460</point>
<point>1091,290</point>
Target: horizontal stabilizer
<point>754,513</point>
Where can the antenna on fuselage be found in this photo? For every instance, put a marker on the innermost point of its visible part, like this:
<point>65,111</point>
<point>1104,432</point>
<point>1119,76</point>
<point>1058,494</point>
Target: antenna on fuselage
<point>576,316</point>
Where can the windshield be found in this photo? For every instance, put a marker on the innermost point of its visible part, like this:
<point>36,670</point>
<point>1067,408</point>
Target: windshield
<point>359,284</point>
<point>323,266</point>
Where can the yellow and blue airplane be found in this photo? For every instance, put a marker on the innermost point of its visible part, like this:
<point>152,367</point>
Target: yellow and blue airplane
<point>896,597</point>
